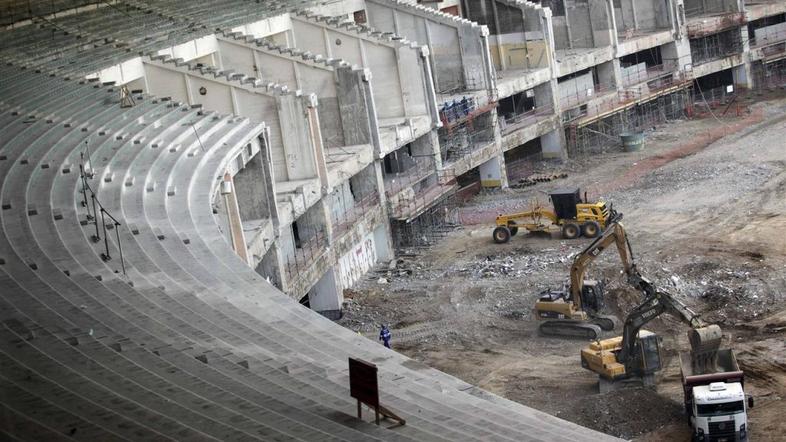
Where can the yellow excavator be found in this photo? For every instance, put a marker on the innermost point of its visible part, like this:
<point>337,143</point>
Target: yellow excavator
<point>636,354</point>
<point>571,215</point>
<point>574,310</point>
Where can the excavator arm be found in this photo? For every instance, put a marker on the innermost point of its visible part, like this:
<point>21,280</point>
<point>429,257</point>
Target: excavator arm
<point>614,234</point>
<point>704,338</point>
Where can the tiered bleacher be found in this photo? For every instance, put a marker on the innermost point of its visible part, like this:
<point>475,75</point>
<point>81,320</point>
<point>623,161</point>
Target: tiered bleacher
<point>124,313</point>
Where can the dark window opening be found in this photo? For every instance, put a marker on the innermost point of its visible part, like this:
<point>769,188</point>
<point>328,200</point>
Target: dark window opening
<point>296,235</point>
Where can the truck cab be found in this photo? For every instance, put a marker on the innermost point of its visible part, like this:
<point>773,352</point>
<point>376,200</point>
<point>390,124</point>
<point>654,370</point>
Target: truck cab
<point>719,412</point>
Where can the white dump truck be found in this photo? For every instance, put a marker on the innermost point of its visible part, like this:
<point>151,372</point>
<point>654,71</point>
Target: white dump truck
<point>715,400</point>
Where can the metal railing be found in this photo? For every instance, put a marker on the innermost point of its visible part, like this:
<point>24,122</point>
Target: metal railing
<point>355,213</point>
<point>580,97</point>
<point>394,183</point>
<point>306,255</point>
<point>98,209</point>
<point>707,27</point>
<point>422,198</point>
<point>532,116</point>
<point>464,142</point>
<point>651,73</point>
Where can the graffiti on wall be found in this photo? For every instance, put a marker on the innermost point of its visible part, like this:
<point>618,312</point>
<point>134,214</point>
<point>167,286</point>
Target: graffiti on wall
<point>357,261</point>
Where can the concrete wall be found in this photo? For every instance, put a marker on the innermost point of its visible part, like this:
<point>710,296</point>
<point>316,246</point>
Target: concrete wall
<point>390,64</point>
<point>576,86</point>
<point>355,263</point>
<point>701,7</point>
<point>580,26</point>
<point>293,156</point>
<point>769,34</point>
<point>642,15</point>
<point>254,189</point>
<point>345,108</point>
<point>324,296</point>
<point>455,54</point>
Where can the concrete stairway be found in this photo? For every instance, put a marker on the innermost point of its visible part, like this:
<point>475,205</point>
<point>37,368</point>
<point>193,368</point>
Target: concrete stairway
<point>189,344</point>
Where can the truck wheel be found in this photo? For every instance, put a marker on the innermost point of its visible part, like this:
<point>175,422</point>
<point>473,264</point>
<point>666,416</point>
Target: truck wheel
<point>501,235</point>
<point>570,231</point>
<point>590,229</point>
<point>514,229</point>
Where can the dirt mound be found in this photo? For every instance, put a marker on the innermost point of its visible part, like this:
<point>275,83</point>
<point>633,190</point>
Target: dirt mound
<point>627,413</point>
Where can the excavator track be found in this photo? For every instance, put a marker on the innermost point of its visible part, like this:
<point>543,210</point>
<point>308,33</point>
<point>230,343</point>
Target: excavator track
<point>571,329</point>
<point>605,322</point>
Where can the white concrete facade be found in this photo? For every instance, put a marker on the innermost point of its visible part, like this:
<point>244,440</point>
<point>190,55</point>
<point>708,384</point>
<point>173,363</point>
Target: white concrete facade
<point>373,108</point>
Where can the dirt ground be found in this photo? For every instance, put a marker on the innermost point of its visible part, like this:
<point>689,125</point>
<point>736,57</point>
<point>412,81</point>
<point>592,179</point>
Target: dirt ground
<point>705,220</point>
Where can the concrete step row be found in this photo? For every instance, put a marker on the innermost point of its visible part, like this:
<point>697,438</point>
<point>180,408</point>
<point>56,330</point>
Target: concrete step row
<point>190,342</point>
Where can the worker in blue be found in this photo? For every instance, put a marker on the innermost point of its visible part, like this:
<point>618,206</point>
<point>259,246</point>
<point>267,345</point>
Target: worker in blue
<point>384,335</point>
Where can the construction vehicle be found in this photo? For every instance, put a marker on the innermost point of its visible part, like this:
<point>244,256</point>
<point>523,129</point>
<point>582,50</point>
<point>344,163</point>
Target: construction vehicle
<point>571,215</point>
<point>715,400</point>
<point>574,310</point>
<point>636,354</point>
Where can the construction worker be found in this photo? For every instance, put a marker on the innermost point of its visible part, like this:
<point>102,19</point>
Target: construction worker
<point>384,335</point>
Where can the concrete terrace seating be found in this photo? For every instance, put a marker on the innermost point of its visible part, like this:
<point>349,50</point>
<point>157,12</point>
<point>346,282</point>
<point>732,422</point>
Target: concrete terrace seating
<point>191,344</point>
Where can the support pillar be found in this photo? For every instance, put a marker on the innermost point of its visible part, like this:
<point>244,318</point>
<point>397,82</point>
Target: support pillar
<point>552,144</point>
<point>742,74</point>
<point>493,174</point>
<point>233,215</point>
<point>325,296</point>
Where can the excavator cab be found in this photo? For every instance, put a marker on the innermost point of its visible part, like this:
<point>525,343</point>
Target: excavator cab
<point>592,295</point>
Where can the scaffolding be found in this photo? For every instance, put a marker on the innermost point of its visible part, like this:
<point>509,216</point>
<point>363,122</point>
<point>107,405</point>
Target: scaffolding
<point>714,46</point>
<point>595,135</point>
<point>305,254</point>
<point>465,128</point>
<point>769,76</point>
<point>431,225</point>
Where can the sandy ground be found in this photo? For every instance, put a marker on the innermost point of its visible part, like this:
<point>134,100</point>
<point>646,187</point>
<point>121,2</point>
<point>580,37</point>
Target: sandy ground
<point>706,221</point>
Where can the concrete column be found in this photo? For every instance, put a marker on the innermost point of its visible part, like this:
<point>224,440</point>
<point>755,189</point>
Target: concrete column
<point>316,139</point>
<point>546,27</point>
<point>493,173</point>
<point>233,214</point>
<point>500,51</point>
<point>354,118</point>
<point>610,73</point>
<point>271,267</point>
<point>742,74</point>
<point>490,73</point>
<point>431,94</point>
<point>371,109</point>
<point>553,144</point>
<point>383,242</point>
<point>433,140</point>
<point>325,296</point>
<point>297,140</point>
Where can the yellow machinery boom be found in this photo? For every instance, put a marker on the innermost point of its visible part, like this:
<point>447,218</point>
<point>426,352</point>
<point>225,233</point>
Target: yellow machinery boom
<point>636,354</point>
<point>575,311</point>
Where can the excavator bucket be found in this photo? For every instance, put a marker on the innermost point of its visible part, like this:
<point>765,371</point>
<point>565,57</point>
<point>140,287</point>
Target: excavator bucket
<point>704,343</point>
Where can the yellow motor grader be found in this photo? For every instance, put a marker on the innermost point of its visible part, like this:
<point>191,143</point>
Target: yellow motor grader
<point>570,214</point>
